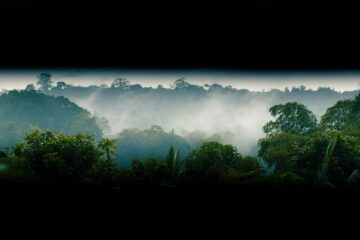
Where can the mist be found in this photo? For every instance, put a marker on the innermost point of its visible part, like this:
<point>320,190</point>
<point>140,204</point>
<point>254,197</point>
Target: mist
<point>236,116</point>
<point>233,106</point>
<point>238,121</point>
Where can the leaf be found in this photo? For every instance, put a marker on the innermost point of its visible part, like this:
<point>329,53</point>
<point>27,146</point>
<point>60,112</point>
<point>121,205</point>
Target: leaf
<point>354,177</point>
<point>323,178</point>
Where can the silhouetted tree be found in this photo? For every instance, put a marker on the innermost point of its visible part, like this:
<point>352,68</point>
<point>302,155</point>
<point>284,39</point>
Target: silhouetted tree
<point>108,147</point>
<point>121,83</point>
<point>181,83</point>
<point>30,87</point>
<point>45,81</point>
<point>61,86</point>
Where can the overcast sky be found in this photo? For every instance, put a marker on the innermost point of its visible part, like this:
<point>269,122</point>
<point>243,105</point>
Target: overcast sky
<point>255,81</point>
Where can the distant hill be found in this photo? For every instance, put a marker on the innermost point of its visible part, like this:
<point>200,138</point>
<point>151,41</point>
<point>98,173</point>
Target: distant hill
<point>20,111</point>
<point>148,143</point>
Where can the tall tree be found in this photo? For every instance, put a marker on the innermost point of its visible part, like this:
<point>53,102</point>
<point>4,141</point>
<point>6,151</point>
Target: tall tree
<point>291,117</point>
<point>108,147</point>
<point>45,81</point>
<point>174,164</point>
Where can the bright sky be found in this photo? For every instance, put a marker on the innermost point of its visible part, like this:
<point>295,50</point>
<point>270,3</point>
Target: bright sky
<point>255,81</point>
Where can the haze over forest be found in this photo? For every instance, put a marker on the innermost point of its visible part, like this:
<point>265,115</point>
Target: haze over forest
<point>191,108</point>
<point>254,81</point>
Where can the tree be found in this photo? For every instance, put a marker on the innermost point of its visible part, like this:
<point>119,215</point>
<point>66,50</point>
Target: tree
<point>291,118</point>
<point>156,129</point>
<point>282,150</point>
<point>338,116</point>
<point>147,143</point>
<point>30,87</point>
<point>45,82</point>
<point>175,166</point>
<point>215,163</point>
<point>121,83</point>
<point>343,116</point>
<point>150,172</point>
<point>181,84</point>
<point>323,175</point>
<point>61,86</point>
<point>59,156</point>
<point>108,147</point>
<point>212,161</point>
<point>329,156</point>
<point>21,111</point>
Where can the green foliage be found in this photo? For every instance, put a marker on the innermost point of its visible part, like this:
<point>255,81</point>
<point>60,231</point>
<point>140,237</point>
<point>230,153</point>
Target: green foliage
<point>175,166</point>
<point>102,173</point>
<point>247,172</point>
<point>331,153</point>
<point>15,171</point>
<point>344,116</point>
<point>301,152</point>
<point>322,157</point>
<point>151,172</point>
<point>148,143</point>
<point>214,162</point>
<point>325,156</point>
<point>23,111</point>
<point>158,172</point>
<point>292,118</point>
<point>338,116</point>
<point>283,149</point>
<point>53,155</point>
<point>108,147</point>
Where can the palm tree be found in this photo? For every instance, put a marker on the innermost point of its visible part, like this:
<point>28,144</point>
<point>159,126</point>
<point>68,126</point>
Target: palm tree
<point>175,165</point>
<point>323,175</point>
<point>108,146</point>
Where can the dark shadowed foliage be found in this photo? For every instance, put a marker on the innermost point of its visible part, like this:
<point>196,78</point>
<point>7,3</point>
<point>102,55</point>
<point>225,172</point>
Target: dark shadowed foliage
<point>22,111</point>
<point>148,143</point>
